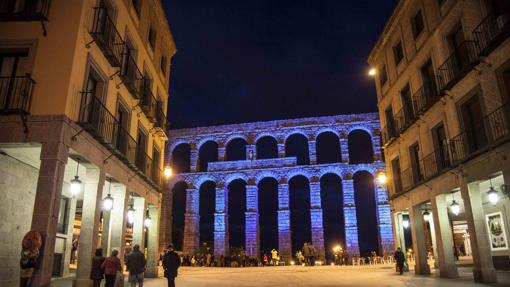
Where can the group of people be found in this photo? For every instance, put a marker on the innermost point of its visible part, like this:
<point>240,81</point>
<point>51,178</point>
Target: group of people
<point>308,254</point>
<point>110,268</point>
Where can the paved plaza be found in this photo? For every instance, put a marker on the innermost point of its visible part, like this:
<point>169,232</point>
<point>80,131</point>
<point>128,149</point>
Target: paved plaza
<point>381,275</point>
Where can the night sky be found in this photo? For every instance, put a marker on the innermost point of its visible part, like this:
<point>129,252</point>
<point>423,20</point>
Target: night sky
<point>242,61</point>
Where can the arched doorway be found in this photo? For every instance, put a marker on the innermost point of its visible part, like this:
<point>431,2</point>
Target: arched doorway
<point>328,148</point>
<point>297,145</point>
<point>332,213</point>
<point>181,158</point>
<point>360,147</point>
<point>178,210</point>
<point>364,197</point>
<point>207,200</point>
<point>236,149</point>
<point>267,147</point>
<point>236,214</point>
<point>299,202</point>
<point>268,215</point>
<point>207,153</point>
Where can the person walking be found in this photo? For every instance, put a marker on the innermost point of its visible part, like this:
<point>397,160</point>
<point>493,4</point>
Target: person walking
<point>111,266</point>
<point>171,263</point>
<point>306,254</point>
<point>135,263</point>
<point>97,272</point>
<point>400,258</point>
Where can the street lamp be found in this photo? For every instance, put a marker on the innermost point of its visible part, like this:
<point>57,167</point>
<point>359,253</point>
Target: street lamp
<point>493,196</point>
<point>148,219</point>
<point>168,172</point>
<point>131,214</point>
<point>372,72</point>
<point>426,215</point>
<point>382,179</point>
<point>108,200</point>
<point>405,223</point>
<point>76,182</point>
<point>455,207</point>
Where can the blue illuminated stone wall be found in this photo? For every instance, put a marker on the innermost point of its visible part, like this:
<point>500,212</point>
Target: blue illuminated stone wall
<point>281,169</point>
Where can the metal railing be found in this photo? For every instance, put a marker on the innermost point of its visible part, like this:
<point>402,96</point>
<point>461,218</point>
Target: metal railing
<point>407,178</point>
<point>388,132</point>
<point>160,118</point>
<point>494,127</point>
<point>143,162</point>
<point>148,102</point>
<point>403,119</point>
<point>16,94</point>
<point>130,74</point>
<point>28,10</point>
<point>107,37</point>
<point>457,65</point>
<point>424,98</point>
<point>435,163</point>
<point>491,32</point>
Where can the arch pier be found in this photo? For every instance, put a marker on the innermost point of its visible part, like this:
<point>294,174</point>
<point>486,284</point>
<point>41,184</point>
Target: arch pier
<point>236,159</point>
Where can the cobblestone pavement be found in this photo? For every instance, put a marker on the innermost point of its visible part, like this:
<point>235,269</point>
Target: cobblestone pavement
<point>309,276</point>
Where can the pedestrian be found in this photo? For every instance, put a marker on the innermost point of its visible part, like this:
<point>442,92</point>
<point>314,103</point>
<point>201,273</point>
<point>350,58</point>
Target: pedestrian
<point>112,268</point>
<point>27,264</point>
<point>313,254</point>
<point>97,272</point>
<point>306,254</point>
<point>274,257</point>
<point>400,258</point>
<point>135,263</point>
<point>265,260</point>
<point>171,263</point>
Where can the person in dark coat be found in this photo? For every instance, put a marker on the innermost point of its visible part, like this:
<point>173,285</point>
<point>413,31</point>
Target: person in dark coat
<point>171,263</point>
<point>400,258</point>
<point>97,272</point>
<point>135,263</point>
<point>111,266</point>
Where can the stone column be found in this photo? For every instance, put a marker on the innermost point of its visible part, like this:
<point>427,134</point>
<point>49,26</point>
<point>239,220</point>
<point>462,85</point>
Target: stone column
<point>376,146</point>
<point>420,252</point>
<point>221,244</point>
<point>383,213</point>
<point>284,232</point>
<point>140,207</point>
<point>165,222</point>
<point>221,153</point>
<point>252,222</point>
<point>312,151</point>
<point>444,238</point>
<point>351,220</point>
<point>483,269</point>
<point>344,147</point>
<point>47,204</point>
<point>316,218</point>
<point>399,231</point>
<point>191,222</point>
<point>433,239</point>
<point>117,236</point>
<point>193,158</point>
<point>90,222</point>
<point>251,148</point>
<point>281,150</point>
<point>153,242</point>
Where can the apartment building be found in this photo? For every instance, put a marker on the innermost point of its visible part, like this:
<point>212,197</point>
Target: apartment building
<point>83,105</point>
<point>442,74</point>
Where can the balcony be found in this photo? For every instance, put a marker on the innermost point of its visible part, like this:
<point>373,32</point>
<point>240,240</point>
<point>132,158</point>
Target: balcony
<point>404,119</point>
<point>388,133</point>
<point>143,162</point>
<point>457,65</point>
<point>491,32</point>
<point>161,121</point>
<point>107,37</point>
<point>148,102</point>
<point>435,163</point>
<point>494,129</point>
<point>28,10</point>
<point>131,76</point>
<point>16,94</point>
<point>424,98</point>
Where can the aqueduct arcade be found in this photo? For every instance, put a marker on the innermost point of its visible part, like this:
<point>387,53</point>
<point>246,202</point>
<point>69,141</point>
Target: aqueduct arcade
<point>290,157</point>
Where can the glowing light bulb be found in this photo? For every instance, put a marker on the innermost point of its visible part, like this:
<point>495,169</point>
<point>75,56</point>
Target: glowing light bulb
<point>455,208</point>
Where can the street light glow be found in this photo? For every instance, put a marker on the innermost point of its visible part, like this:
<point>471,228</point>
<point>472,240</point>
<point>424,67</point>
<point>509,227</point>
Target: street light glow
<point>75,186</point>
<point>382,178</point>
<point>168,172</point>
<point>372,72</point>
<point>493,196</point>
<point>426,215</point>
<point>405,223</point>
<point>455,208</point>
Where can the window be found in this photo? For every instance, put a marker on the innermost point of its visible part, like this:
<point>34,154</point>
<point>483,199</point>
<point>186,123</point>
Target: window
<point>428,78</point>
<point>407,105</point>
<point>395,168</point>
<point>398,53</point>
<point>472,121</point>
<point>384,75</point>
<point>441,145</point>
<point>141,149</point>
<point>505,80</point>
<point>137,4</point>
<point>152,37</point>
<point>163,63</point>
<point>417,24</point>
<point>390,122</point>
<point>63,215</point>
<point>122,143</point>
<point>414,152</point>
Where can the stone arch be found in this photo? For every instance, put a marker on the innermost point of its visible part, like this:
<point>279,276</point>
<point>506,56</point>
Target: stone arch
<point>206,210</point>
<point>268,213</point>
<point>181,157</point>
<point>237,207</point>
<point>207,152</point>
<point>204,140</point>
<point>364,168</point>
<point>266,174</point>
<point>296,145</point>
<point>295,173</point>
<point>331,170</point>
<point>293,132</point>
<point>235,136</point>
<point>326,130</point>
<point>300,214</point>
<point>360,127</point>
<point>198,182</point>
<point>366,210</point>
<point>177,142</point>
<point>360,144</point>
<point>267,147</point>
<point>231,177</point>
<point>178,211</point>
<point>333,218</point>
<point>328,147</point>
<point>235,149</point>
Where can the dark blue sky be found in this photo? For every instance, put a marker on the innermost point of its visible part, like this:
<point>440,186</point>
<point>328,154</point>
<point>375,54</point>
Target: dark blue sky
<point>241,61</point>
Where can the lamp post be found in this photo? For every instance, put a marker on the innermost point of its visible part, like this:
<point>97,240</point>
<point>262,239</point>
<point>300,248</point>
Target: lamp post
<point>108,200</point>
<point>148,220</point>
<point>76,182</point>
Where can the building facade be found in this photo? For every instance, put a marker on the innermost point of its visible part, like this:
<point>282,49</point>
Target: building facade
<point>83,97</point>
<point>443,84</point>
<point>280,163</point>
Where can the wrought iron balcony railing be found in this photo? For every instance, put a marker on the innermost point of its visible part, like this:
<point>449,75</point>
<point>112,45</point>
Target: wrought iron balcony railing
<point>143,162</point>
<point>403,119</point>
<point>491,32</point>
<point>388,133</point>
<point>27,10</point>
<point>107,37</point>
<point>457,65</point>
<point>148,102</point>
<point>131,76</point>
<point>424,98</point>
<point>161,120</point>
<point>16,94</point>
